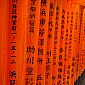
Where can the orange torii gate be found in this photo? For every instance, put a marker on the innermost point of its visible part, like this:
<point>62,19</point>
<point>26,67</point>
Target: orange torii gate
<point>42,43</point>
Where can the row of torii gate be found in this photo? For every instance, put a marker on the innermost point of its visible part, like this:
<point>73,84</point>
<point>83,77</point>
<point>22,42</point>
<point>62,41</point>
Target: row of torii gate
<point>72,18</point>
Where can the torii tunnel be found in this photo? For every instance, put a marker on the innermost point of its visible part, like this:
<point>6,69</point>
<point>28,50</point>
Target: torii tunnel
<point>42,42</point>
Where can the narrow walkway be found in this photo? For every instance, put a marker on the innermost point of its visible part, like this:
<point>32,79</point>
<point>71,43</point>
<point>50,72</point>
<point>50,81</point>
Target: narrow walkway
<point>81,79</point>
